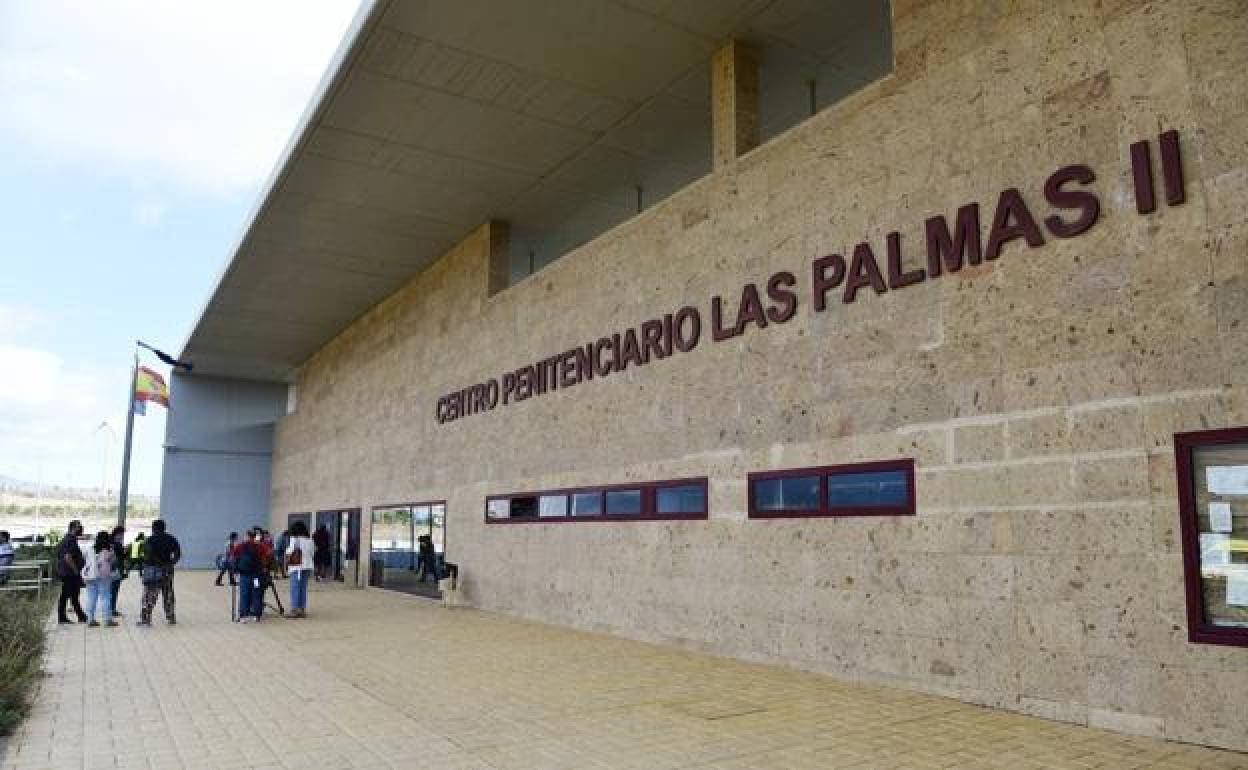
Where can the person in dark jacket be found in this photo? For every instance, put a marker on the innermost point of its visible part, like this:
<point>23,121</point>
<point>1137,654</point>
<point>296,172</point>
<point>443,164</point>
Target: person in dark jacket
<point>161,553</point>
<point>69,564</point>
<point>119,565</point>
<point>249,563</point>
<point>321,558</point>
<point>428,559</point>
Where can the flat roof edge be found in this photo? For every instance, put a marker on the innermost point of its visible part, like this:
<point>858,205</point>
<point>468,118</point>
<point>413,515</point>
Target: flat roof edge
<point>366,16</point>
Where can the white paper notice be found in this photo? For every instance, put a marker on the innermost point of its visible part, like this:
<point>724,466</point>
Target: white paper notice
<point>1220,517</point>
<point>1237,589</point>
<point>1227,479</point>
<point>1215,550</point>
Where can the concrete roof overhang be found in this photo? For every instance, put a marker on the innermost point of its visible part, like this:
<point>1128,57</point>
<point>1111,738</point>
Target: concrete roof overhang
<point>435,117</point>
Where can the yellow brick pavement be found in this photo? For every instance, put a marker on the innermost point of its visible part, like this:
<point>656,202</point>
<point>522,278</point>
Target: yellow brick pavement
<point>374,679</point>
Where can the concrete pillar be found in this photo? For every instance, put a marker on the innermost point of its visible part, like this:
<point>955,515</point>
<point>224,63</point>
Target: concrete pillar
<point>498,257</point>
<point>734,102</point>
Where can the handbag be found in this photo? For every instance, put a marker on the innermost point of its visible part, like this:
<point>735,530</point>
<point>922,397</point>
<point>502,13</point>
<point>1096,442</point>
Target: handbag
<point>152,574</point>
<point>91,569</point>
<point>296,557</point>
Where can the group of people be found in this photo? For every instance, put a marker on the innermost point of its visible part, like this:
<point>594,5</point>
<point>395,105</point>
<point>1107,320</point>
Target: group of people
<point>255,561</point>
<point>252,563</point>
<point>106,564</point>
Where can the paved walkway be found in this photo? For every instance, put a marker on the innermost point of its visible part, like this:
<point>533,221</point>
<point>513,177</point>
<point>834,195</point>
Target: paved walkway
<point>377,679</point>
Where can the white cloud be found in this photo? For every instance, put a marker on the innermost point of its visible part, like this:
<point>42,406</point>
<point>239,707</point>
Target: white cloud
<point>51,410</point>
<point>204,95</point>
<point>32,380</point>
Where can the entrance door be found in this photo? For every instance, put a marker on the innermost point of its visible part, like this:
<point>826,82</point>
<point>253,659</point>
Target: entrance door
<point>344,541</point>
<point>397,533</point>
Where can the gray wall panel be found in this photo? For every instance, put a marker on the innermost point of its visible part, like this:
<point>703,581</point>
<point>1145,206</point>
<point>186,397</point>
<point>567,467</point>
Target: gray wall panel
<point>218,458</point>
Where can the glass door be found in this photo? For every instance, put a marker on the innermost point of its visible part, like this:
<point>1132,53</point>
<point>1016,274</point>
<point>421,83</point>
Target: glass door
<point>404,538</point>
<point>343,530</point>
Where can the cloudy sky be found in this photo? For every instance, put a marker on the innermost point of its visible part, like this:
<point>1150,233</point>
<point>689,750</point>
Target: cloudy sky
<point>134,138</point>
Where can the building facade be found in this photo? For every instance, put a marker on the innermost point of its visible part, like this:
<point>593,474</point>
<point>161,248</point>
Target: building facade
<point>892,396</point>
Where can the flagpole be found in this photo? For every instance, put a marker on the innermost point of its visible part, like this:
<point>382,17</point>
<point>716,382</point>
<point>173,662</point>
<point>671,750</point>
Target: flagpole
<point>125,457</point>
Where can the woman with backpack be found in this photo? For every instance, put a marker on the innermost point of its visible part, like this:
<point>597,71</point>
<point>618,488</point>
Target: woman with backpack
<point>249,564</point>
<point>97,574</point>
<point>299,555</point>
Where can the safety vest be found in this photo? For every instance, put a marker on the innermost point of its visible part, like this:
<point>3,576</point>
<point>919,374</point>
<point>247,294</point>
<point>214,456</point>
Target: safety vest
<point>136,549</point>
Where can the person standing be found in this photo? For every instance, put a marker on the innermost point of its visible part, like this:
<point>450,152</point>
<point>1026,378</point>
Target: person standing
<point>6,556</point>
<point>136,553</point>
<point>249,563</point>
<point>98,576</point>
<point>321,556</point>
<point>69,564</point>
<point>298,561</point>
<point>280,548</point>
<point>428,559</point>
<point>117,543</point>
<point>227,559</point>
<point>160,553</point>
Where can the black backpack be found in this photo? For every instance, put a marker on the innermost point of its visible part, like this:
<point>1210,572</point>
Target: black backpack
<point>248,561</point>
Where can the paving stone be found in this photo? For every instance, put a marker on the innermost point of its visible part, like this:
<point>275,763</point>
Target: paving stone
<point>375,679</point>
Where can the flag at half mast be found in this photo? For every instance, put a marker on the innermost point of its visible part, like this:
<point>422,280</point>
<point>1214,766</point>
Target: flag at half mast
<point>149,386</point>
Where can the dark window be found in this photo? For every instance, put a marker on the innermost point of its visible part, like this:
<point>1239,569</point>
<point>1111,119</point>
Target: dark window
<point>871,489</point>
<point>796,493</point>
<point>586,503</point>
<point>682,499</point>
<point>864,489</point>
<point>523,507</point>
<point>623,501</point>
<point>686,498</point>
<point>1212,471</point>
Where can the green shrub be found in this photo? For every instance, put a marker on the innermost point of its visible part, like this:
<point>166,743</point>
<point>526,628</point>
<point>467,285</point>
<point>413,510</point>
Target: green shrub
<point>23,621</point>
<point>36,552</point>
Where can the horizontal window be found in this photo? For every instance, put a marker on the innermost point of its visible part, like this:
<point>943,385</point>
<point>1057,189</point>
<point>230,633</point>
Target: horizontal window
<point>678,499</point>
<point>1213,504</point>
<point>686,498</point>
<point>624,502</point>
<point>587,504</point>
<point>553,505</point>
<point>798,493</point>
<point>870,489</point>
<point>864,489</point>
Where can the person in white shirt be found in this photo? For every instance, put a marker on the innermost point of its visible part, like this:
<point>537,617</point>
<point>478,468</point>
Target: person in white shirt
<point>98,575</point>
<point>299,552</point>
<point>6,556</point>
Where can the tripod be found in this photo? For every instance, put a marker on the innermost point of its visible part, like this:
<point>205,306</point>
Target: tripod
<point>269,585</point>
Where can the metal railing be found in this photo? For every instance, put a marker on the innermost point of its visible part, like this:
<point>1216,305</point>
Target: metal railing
<point>40,573</point>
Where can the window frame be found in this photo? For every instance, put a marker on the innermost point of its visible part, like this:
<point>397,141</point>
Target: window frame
<point>649,509</point>
<point>1198,630</point>
<point>904,464</point>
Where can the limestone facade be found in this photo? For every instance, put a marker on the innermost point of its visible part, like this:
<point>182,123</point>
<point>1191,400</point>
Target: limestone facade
<point>1038,393</point>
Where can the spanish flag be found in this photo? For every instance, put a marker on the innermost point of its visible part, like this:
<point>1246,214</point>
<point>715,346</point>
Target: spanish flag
<point>149,386</point>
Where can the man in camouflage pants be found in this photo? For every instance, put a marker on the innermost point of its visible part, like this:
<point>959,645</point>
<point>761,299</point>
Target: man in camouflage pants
<point>162,552</point>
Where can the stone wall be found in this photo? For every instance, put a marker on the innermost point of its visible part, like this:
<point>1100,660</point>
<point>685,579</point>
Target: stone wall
<point>1037,393</point>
